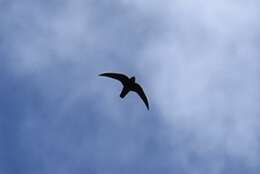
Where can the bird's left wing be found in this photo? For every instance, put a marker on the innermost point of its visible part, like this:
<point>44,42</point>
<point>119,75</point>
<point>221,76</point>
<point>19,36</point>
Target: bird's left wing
<point>141,93</point>
<point>121,77</point>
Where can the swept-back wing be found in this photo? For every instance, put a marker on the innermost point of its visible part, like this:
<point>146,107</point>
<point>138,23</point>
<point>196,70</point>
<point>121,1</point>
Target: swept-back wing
<point>121,77</point>
<point>141,93</point>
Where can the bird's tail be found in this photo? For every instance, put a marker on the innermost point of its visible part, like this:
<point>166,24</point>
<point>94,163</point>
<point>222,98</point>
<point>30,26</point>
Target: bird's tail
<point>124,92</point>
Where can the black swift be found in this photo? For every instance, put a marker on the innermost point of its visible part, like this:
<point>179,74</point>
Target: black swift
<point>129,84</point>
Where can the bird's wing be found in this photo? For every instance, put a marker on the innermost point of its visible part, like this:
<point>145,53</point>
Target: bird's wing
<point>141,93</point>
<point>121,77</point>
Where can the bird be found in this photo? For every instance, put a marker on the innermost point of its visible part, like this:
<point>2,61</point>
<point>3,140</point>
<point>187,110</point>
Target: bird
<point>129,84</point>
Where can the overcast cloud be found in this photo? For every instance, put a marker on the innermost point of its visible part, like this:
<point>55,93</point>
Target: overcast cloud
<point>197,61</point>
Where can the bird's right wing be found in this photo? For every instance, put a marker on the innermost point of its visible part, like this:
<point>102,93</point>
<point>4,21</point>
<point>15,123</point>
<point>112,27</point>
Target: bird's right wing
<point>141,93</point>
<point>121,77</point>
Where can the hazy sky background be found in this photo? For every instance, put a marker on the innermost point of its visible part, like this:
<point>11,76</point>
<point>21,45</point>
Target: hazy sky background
<point>198,61</point>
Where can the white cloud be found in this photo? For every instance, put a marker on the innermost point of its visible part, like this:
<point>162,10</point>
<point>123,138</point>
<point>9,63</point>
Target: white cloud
<point>206,68</point>
<point>201,63</point>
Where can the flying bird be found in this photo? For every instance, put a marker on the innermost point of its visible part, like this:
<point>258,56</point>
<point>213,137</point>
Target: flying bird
<point>129,84</point>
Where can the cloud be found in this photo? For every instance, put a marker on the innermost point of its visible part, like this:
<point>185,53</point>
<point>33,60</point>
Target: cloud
<point>57,52</point>
<point>198,62</point>
<point>206,67</point>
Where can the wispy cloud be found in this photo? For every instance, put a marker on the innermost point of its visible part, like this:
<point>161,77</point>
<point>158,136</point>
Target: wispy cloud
<point>205,62</point>
<point>199,62</point>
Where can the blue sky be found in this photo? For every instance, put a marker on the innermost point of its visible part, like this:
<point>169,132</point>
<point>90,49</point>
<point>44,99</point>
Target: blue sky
<point>199,63</point>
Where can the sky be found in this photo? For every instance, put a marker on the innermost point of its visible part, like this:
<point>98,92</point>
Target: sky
<point>198,62</point>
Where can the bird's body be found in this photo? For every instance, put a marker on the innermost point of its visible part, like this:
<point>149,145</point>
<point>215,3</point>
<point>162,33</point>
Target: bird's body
<point>129,84</point>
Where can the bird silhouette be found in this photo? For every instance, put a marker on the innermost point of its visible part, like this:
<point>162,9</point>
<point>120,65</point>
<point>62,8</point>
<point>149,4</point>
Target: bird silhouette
<point>129,84</point>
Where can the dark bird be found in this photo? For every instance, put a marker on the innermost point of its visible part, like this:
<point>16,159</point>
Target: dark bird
<point>129,84</point>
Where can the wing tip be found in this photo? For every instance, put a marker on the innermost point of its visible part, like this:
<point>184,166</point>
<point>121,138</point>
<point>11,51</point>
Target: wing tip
<point>147,106</point>
<point>106,73</point>
<point>103,74</point>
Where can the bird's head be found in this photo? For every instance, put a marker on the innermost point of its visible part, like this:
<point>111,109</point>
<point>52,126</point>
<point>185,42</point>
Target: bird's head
<point>132,79</point>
